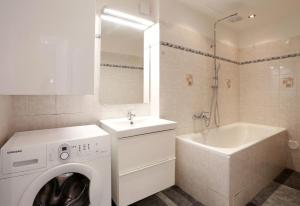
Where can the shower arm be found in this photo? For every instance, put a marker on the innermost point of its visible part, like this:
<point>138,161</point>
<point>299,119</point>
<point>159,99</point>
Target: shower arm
<point>215,46</point>
<point>227,17</point>
<point>218,21</point>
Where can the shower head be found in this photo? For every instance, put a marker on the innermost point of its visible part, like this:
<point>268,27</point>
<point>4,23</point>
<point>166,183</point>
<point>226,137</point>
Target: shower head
<point>235,18</point>
<point>232,18</point>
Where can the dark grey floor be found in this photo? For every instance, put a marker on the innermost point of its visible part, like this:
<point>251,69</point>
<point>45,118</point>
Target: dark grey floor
<point>283,191</point>
<point>173,196</point>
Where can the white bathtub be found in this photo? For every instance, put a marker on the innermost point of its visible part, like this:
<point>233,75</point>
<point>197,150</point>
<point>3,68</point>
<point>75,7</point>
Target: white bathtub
<point>231,164</point>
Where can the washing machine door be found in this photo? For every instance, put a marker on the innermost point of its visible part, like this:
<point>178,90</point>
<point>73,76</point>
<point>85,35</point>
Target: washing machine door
<point>71,184</point>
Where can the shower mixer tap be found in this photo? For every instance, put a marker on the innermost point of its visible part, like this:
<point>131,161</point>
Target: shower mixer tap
<point>203,115</point>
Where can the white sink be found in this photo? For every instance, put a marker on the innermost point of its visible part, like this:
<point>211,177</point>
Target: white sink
<point>142,125</point>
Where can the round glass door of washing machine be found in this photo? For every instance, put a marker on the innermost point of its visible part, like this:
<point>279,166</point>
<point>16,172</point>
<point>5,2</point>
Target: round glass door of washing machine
<point>69,189</point>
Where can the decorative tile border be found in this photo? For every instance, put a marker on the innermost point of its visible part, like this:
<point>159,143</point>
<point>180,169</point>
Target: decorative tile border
<point>199,52</point>
<point>194,51</point>
<point>270,59</point>
<point>121,66</point>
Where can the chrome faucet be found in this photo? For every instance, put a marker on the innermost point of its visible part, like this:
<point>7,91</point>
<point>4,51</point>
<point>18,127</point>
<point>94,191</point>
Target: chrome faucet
<point>130,116</point>
<point>205,116</point>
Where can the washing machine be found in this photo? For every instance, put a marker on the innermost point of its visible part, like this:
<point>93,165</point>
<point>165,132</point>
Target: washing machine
<point>57,167</point>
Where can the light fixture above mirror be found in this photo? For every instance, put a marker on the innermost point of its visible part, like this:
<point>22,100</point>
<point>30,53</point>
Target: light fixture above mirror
<point>125,19</point>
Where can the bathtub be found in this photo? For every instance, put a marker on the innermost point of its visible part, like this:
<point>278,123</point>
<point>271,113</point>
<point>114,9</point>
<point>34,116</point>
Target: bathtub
<point>228,166</point>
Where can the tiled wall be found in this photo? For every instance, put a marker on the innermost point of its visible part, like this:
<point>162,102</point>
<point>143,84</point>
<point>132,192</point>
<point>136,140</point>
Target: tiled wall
<point>40,112</point>
<point>6,124</point>
<point>182,61</point>
<point>270,90</point>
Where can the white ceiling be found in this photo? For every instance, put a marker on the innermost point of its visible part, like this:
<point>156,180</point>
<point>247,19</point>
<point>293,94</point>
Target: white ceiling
<point>267,11</point>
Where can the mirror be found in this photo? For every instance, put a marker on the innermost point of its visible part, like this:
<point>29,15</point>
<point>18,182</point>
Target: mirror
<point>124,62</point>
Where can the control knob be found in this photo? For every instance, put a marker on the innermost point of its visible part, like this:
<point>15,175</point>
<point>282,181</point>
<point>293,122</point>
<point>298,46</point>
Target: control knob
<point>64,155</point>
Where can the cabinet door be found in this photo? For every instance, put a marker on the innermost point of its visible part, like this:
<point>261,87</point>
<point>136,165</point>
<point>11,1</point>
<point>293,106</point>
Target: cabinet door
<point>47,47</point>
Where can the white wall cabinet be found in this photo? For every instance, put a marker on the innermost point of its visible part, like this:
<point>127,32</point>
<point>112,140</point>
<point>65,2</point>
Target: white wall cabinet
<point>47,47</point>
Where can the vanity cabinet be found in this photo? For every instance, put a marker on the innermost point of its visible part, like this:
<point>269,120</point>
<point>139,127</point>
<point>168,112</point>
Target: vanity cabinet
<point>143,159</point>
<point>47,47</point>
<point>143,165</point>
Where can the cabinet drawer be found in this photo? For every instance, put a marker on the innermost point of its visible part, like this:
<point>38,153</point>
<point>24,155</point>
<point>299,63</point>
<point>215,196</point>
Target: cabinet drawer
<point>143,150</point>
<point>143,183</point>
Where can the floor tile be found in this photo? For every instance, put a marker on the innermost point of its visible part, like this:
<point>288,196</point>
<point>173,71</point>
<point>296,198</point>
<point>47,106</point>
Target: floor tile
<point>293,181</point>
<point>172,196</point>
<point>284,175</point>
<point>179,197</point>
<point>284,196</point>
<point>265,194</point>
<point>251,204</point>
<point>166,200</point>
<point>284,191</point>
<point>153,200</point>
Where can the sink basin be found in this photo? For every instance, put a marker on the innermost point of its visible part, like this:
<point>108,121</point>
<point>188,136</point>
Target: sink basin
<point>142,125</point>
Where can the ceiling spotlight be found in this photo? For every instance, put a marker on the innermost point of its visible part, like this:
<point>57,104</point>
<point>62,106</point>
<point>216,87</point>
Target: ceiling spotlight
<point>252,16</point>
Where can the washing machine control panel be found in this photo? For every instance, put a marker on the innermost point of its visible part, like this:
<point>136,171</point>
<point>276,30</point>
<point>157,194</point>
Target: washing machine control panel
<point>78,150</point>
<point>64,151</point>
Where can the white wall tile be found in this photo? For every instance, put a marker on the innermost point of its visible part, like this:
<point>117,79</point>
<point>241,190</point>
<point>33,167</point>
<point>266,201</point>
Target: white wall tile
<point>20,105</point>
<point>70,104</point>
<point>38,105</point>
<point>6,118</point>
<point>264,98</point>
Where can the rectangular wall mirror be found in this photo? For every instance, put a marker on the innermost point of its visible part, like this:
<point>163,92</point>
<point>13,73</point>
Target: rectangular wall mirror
<point>124,58</point>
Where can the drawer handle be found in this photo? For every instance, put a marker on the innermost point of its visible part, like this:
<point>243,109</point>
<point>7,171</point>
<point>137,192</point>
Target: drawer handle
<point>146,167</point>
<point>144,134</point>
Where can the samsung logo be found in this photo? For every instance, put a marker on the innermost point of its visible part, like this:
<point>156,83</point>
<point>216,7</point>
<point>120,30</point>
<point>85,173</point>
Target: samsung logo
<point>14,151</point>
